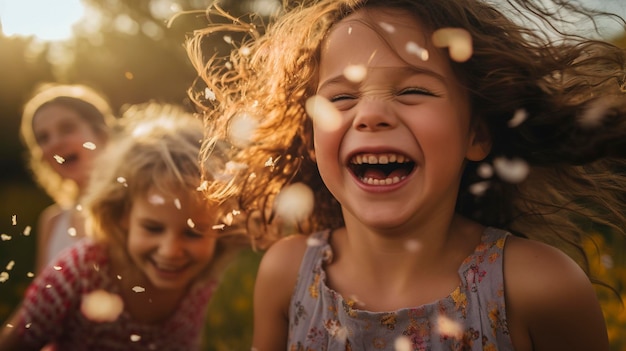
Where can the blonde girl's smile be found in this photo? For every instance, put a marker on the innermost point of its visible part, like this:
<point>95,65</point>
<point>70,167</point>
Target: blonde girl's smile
<point>171,240</point>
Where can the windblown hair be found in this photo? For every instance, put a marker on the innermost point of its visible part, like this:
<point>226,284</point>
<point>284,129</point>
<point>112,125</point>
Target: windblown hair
<point>89,104</point>
<point>572,89</point>
<point>156,149</point>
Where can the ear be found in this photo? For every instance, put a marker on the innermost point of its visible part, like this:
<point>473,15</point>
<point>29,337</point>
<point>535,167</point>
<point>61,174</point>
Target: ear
<point>479,142</point>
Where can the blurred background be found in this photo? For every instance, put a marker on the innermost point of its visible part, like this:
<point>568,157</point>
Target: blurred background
<point>126,50</point>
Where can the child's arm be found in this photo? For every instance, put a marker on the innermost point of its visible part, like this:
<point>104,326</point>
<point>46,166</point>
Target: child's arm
<point>275,283</point>
<point>551,304</point>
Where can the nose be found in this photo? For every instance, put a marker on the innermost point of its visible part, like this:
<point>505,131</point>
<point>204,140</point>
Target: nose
<point>374,114</point>
<point>171,246</point>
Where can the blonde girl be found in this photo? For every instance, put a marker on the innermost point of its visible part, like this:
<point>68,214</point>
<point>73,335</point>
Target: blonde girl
<point>64,127</point>
<point>144,276</point>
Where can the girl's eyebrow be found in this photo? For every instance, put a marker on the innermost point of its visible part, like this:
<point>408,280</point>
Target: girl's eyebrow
<point>340,78</point>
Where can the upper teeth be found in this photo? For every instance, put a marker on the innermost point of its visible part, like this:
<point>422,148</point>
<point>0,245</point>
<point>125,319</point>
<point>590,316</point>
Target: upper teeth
<point>374,159</point>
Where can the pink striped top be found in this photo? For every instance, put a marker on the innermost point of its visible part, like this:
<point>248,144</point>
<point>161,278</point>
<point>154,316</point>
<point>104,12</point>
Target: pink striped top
<point>51,312</point>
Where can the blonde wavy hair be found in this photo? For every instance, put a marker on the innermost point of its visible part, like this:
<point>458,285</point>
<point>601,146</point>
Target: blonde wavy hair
<point>158,148</point>
<point>89,104</point>
<point>523,60</point>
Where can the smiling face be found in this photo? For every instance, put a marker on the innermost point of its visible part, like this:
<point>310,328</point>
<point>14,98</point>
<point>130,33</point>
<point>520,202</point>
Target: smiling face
<point>171,241</point>
<point>61,134</point>
<point>398,154</point>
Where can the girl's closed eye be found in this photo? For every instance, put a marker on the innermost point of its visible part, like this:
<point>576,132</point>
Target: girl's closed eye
<point>153,228</point>
<point>194,234</point>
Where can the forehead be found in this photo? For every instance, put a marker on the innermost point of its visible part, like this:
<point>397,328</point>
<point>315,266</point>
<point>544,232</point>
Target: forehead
<point>379,37</point>
<point>55,113</point>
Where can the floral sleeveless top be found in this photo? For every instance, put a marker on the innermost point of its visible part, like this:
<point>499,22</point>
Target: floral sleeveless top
<point>472,317</point>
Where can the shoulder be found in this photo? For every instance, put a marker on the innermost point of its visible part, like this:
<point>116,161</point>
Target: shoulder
<point>284,256</point>
<point>550,297</point>
<point>280,265</point>
<point>532,265</point>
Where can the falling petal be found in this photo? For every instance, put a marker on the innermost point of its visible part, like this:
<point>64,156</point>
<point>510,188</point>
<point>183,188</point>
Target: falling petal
<point>294,203</point>
<point>457,40</point>
<point>595,113</point>
<point>311,241</point>
<point>245,51</point>
<point>449,328</point>
<point>156,199</point>
<point>479,189</point>
<point>413,48</point>
<point>122,181</point>
<point>389,28</point>
<point>519,117</point>
<point>412,245</point>
<point>89,145</point>
<point>606,261</point>
<point>403,343</point>
<point>512,171</point>
<point>209,94</point>
<point>355,73</point>
<point>203,186</point>
<point>323,113</point>
<point>241,130</point>
<point>101,306</point>
<point>485,170</point>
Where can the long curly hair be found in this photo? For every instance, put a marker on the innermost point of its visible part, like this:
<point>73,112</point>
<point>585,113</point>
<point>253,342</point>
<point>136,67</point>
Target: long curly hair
<point>570,88</point>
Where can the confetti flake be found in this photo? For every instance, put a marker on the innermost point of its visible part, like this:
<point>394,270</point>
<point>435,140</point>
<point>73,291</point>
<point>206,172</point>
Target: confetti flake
<point>138,289</point>
<point>449,328</point>
<point>71,231</point>
<point>101,306</point>
<point>355,73</point>
<point>242,129</point>
<point>122,181</point>
<point>89,145</point>
<point>480,188</point>
<point>389,28</point>
<point>177,204</point>
<point>4,276</point>
<point>323,113</point>
<point>457,40</point>
<point>402,343</point>
<point>30,274</point>
<point>513,171</point>
<point>190,223</point>
<point>10,265</point>
<point>155,199</point>
<point>14,220</point>
<point>209,94</point>
<point>485,170</point>
<point>295,202</point>
<point>59,159</point>
<point>519,117</point>
<point>5,237</point>
<point>135,337</point>
<point>413,48</point>
<point>27,230</point>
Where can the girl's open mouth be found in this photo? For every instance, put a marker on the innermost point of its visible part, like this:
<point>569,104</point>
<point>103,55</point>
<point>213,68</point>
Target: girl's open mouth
<point>381,169</point>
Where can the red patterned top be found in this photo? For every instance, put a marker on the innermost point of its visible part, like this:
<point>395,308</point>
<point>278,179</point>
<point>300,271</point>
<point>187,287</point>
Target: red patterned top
<point>51,311</point>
